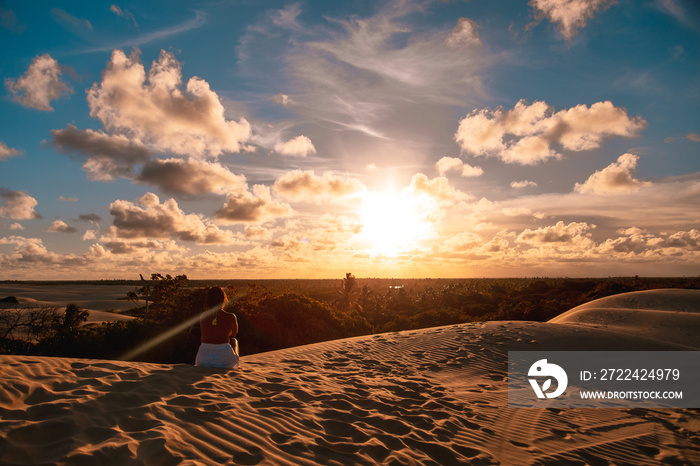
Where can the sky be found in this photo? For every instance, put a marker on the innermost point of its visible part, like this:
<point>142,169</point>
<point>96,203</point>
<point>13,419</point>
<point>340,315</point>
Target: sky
<point>308,139</point>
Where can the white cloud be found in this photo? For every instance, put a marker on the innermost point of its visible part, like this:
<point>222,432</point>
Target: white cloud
<point>525,134</point>
<point>453,164</point>
<point>300,146</point>
<point>40,84</point>
<point>154,110</point>
<point>464,34</point>
<point>523,184</point>
<point>17,205</point>
<point>615,178</point>
<point>147,218</point>
<point>569,15</point>
<point>6,152</point>
<point>301,185</point>
<point>59,226</point>
<point>284,100</point>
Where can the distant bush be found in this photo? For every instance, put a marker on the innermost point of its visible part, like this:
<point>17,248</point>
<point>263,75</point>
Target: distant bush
<point>268,322</point>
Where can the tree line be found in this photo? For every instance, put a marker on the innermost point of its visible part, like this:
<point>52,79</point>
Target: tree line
<point>279,314</point>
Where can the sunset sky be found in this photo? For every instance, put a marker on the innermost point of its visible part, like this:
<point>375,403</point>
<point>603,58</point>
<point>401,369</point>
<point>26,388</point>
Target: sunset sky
<point>282,139</point>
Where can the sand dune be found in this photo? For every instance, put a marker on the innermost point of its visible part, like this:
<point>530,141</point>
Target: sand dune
<point>667,315</point>
<point>433,396</point>
<point>87,296</point>
<point>99,300</point>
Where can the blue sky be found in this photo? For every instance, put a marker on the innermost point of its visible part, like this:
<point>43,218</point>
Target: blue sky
<point>255,139</point>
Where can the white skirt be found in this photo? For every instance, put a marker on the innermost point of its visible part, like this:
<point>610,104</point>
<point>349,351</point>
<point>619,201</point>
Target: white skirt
<point>216,355</point>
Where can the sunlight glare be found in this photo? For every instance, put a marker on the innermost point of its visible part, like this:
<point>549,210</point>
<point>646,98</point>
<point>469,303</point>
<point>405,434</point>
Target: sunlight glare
<point>392,223</point>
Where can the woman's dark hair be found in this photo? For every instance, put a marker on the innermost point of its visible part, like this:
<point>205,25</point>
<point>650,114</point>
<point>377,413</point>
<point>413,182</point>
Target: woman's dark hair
<point>215,296</point>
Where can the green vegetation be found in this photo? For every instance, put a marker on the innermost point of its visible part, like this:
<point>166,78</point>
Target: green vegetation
<point>275,314</point>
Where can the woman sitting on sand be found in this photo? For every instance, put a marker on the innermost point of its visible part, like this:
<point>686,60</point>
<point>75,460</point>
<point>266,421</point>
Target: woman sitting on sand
<point>219,347</point>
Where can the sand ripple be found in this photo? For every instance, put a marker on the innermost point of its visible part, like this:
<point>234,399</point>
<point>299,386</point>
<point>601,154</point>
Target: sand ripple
<point>435,396</point>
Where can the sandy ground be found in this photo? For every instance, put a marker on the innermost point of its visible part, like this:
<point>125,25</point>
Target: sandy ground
<point>433,396</point>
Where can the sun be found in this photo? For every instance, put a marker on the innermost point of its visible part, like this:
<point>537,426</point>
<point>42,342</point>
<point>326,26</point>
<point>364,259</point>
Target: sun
<point>392,223</point>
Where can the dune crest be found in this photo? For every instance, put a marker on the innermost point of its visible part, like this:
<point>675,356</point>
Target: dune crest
<point>665,315</point>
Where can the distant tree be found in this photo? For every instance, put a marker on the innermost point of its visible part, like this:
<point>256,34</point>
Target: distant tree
<point>73,317</point>
<point>346,288</point>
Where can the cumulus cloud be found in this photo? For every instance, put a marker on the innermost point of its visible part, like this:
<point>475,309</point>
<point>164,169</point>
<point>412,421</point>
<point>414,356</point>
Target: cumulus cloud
<point>257,232</point>
<point>300,146</point>
<point>525,134</point>
<point>107,156</point>
<point>463,241</point>
<point>6,152</point>
<point>242,206</point>
<point>615,178</point>
<point>632,241</point>
<point>688,240</point>
<point>559,233</point>
<point>59,226</point>
<point>189,177</point>
<point>17,205</point>
<point>301,185</point>
<point>438,189</point>
<point>453,164</point>
<point>39,85</point>
<point>569,15</point>
<point>464,34</point>
<point>154,110</point>
<point>16,226</point>
<point>147,218</point>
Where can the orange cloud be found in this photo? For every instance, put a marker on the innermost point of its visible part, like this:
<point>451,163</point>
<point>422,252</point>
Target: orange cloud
<point>301,185</point>
<point>300,146</point>
<point>148,218</point>
<point>453,164</point>
<point>615,178</point>
<point>243,206</point>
